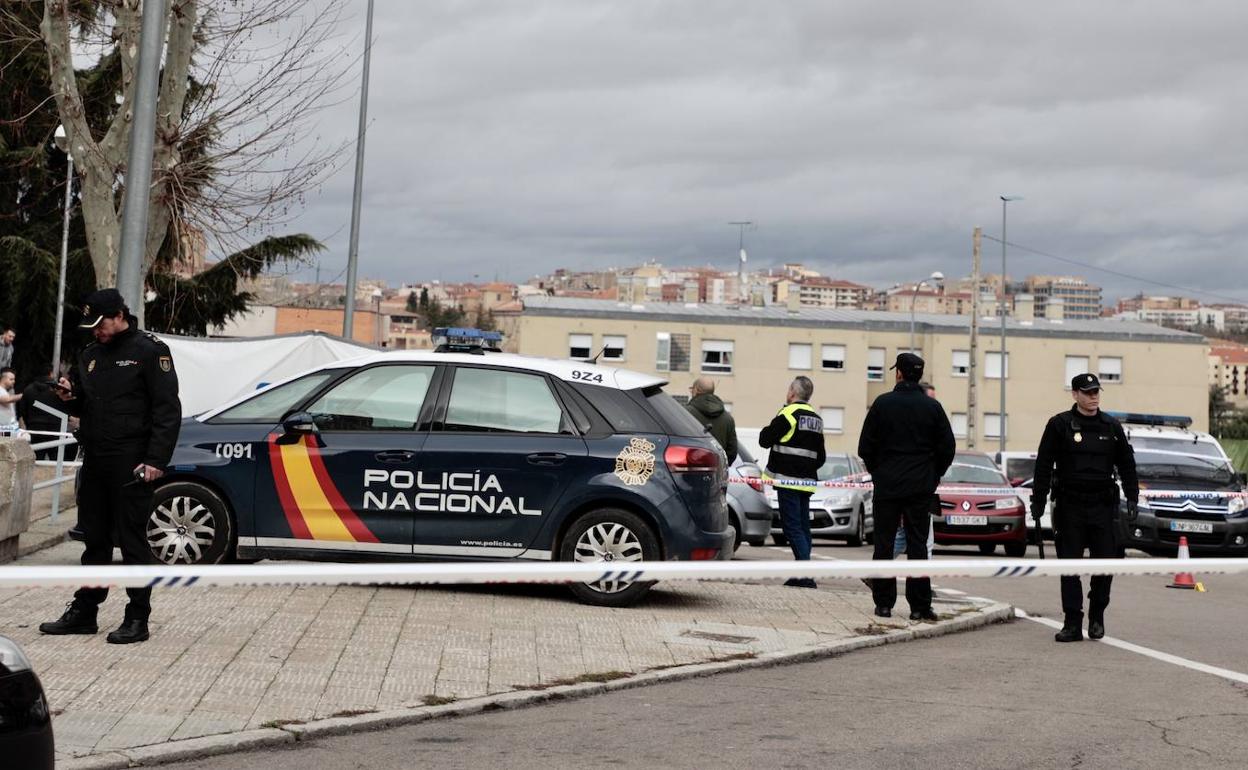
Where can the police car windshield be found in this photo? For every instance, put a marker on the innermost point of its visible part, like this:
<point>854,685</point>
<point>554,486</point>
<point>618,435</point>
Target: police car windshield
<point>273,404</point>
<point>1179,465</point>
<point>1185,445</point>
<point>962,472</point>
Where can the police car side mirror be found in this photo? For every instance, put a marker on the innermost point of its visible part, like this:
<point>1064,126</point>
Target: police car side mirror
<point>299,423</point>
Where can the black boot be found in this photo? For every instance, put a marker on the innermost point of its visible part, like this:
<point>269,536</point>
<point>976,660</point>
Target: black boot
<point>1096,624</point>
<point>77,619</point>
<point>883,612</point>
<point>131,630</point>
<point>928,615</point>
<point>1072,630</point>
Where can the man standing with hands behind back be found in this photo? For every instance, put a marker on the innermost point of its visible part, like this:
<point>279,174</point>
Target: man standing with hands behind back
<point>907,445</point>
<point>126,393</point>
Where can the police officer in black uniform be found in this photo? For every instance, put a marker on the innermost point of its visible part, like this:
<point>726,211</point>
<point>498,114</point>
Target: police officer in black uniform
<point>1086,445</point>
<point>125,391</point>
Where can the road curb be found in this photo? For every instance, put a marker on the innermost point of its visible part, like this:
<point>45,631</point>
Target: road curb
<point>211,745</point>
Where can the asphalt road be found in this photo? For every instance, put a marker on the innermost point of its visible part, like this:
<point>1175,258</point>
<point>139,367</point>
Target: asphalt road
<point>1007,696</point>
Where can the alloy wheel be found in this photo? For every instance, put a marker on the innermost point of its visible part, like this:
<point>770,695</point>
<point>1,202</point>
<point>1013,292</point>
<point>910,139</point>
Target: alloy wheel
<point>609,541</point>
<point>180,530</point>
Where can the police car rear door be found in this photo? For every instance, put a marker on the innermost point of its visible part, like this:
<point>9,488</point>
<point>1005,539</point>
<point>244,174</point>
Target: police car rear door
<point>495,465</point>
<point>348,486</point>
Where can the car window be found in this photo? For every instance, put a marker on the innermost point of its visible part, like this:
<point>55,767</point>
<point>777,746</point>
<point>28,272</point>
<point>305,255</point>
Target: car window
<point>500,401</point>
<point>1020,467</point>
<point>973,473</point>
<point>623,413</point>
<point>674,418</point>
<point>273,404</point>
<point>835,467</point>
<point>377,398</point>
<point>1184,445</point>
<point>1164,464</point>
<point>982,461</point>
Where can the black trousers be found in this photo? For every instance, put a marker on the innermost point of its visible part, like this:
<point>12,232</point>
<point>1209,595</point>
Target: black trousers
<point>113,510</point>
<point>915,514</point>
<point>1086,526</point>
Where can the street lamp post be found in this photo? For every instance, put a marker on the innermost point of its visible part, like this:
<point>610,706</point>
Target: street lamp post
<point>935,277</point>
<point>1005,200</point>
<point>353,248</point>
<point>377,317</point>
<point>62,141</point>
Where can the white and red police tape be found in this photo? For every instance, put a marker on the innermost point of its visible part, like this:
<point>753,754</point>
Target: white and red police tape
<point>845,483</point>
<point>317,573</point>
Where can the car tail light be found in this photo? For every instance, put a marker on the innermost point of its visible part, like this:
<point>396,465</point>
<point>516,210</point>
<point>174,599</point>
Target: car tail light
<point>690,459</point>
<point>704,554</point>
<point>752,476</point>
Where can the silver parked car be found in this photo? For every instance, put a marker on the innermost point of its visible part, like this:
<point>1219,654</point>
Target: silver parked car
<point>843,514</point>
<point>749,512</point>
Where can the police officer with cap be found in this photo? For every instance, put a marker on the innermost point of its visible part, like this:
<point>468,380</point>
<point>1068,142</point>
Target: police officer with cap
<point>1086,446</point>
<point>907,445</point>
<point>125,391</point>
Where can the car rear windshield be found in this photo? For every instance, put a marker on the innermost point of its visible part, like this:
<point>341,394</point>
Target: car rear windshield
<point>674,418</point>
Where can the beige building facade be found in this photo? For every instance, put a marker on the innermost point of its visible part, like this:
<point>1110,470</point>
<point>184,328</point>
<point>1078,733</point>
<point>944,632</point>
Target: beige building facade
<point>754,352</point>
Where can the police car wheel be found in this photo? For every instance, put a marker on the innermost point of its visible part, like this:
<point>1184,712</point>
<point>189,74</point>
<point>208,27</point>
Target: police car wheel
<point>610,535</point>
<point>736,531</point>
<point>987,549</point>
<point>189,524</point>
<point>1016,550</point>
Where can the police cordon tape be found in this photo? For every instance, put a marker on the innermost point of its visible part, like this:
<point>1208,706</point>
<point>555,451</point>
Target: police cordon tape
<point>1201,494</point>
<point>431,573</point>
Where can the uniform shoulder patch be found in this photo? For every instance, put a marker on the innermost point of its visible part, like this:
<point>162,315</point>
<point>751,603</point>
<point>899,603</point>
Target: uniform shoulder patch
<point>166,364</point>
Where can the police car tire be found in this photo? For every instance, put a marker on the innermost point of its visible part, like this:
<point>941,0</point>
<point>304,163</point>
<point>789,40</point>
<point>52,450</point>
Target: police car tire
<point>987,549</point>
<point>855,540</point>
<point>585,592</point>
<point>225,534</point>
<point>1016,550</point>
<point>736,530</point>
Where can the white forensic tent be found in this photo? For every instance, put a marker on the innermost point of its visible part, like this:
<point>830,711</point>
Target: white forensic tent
<point>213,370</point>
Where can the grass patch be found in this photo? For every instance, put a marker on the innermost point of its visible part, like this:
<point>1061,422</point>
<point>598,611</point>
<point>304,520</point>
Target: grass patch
<point>436,700</point>
<point>600,677</point>
<point>874,629</point>
<point>352,713</point>
<point>280,723</point>
<point>1237,450</point>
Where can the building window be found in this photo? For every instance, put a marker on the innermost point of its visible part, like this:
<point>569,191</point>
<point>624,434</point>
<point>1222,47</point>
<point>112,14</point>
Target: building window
<point>1110,369</point>
<point>833,358</point>
<point>992,366</point>
<point>958,421</point>
<point>961,363</point>
<point>1075,366</point>
<point>992,424</point>
<point>671,352</point>
<point>613,347</point>
<point>799,355</point>
<point>875,364</point>
<point>579,346</point>
<point>717,356</point>
<point>833,419</point>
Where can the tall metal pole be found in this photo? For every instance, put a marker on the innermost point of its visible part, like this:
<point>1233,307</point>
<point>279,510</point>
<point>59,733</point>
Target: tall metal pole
<point>131,260</point>
<point>742,294</point>
<point>1001,420</point>
<point>353,251</point>
<point>914,298</point>
<point>972,382</point>
<point>60,291</point>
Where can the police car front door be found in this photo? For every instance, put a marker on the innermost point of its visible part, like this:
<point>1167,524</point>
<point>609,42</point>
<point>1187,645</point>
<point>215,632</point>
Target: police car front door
<point>493,470</point>
<point>347,487</point>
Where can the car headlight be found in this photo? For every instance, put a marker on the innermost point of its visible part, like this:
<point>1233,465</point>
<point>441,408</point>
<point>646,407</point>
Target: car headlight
<point>1007,502</point>
<point>1236,505</point>
<point>12,659</point>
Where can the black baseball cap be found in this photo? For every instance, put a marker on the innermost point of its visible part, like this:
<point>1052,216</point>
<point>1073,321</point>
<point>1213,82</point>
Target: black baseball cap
<point>1085,382</point>
<point>101,304</point>
<point>911,366</point>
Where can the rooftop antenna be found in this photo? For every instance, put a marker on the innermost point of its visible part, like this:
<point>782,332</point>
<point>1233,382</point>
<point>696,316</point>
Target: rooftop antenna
<point>742,290</point>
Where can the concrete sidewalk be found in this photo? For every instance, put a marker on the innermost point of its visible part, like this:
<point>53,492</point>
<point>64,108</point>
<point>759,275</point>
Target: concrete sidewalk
<point>263,665</point>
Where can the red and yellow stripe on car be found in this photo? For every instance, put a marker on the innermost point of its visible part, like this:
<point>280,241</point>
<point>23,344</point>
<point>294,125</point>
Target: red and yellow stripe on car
<point>314,507</point>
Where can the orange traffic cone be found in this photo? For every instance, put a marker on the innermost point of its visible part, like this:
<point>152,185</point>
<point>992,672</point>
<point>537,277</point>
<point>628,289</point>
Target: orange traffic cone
<point>1183,579</point>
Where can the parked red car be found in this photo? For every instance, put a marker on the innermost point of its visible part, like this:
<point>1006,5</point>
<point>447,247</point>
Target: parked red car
<point>979,519</point>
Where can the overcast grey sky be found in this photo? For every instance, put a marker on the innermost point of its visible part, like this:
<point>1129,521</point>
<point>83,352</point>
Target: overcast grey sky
<point>866,139</point>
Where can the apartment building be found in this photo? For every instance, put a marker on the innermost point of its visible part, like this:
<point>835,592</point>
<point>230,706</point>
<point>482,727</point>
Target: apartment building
<point>1228,367</point>
<point>1080,300</point>
<point>753,352</point>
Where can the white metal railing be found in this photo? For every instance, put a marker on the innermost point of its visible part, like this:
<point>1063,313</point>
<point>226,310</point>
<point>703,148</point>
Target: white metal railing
<point>60,440</point>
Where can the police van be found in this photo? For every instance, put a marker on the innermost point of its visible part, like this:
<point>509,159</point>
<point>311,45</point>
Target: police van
<point>460,453</point>
<point>1198,488</point>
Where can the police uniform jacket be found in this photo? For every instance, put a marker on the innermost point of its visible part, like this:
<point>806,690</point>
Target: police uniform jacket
<point>1085,452</point>
<point>795,437</point>
<point>906,443</point>
<point>126,394</point>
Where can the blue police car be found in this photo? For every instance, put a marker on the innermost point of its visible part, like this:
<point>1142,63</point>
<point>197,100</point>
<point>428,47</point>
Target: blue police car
<point>459,453</point>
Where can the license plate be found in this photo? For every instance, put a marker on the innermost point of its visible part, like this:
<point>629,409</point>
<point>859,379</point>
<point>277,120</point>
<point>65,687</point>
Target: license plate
<point>964,521</point>
<point>1191,526</point>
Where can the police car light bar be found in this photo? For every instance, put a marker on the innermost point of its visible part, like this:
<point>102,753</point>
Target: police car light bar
<point>1160,420</point>
<point>455,339</point>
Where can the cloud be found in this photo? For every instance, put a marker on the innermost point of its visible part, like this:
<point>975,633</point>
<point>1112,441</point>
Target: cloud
<point>866,139</point>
